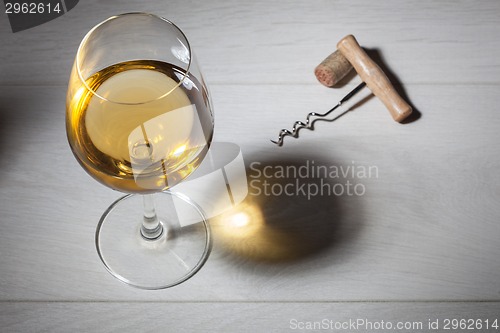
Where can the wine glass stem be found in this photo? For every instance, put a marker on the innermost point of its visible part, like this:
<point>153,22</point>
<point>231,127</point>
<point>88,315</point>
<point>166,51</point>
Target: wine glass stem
<point>151,228</point>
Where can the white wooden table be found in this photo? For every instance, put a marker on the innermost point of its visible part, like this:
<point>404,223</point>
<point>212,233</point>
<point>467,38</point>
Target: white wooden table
<point>422,244</point>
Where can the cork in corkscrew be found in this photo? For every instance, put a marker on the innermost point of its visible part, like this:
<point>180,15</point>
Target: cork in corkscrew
<point>333,69</point>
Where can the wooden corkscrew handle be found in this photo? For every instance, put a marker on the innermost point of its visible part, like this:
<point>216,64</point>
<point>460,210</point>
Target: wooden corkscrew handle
<point>374,78</point>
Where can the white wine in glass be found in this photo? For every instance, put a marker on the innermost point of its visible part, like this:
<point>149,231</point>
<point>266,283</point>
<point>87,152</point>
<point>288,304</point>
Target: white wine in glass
<point>139,120</point>
<point>143,143</point>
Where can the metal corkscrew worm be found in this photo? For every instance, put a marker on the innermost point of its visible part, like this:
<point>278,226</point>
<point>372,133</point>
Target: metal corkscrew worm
<point>298,125</point>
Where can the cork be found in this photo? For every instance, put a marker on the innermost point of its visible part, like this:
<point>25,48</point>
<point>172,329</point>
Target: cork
<point>333,69</point>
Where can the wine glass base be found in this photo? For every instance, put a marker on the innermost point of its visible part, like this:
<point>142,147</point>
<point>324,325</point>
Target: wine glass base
<point>174,256</point>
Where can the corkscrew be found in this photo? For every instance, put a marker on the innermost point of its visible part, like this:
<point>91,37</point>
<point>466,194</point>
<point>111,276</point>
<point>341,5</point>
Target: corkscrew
<point>350,55</point>
<point>298,125</point>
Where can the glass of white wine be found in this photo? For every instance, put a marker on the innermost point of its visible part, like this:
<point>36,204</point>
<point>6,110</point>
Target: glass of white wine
<point>139,120</point>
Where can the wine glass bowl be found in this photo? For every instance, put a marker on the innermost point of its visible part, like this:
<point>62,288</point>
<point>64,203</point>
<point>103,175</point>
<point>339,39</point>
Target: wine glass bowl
<point>139,120</point>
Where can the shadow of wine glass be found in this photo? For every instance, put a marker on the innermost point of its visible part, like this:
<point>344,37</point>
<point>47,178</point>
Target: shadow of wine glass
<point>28,130</point>
<point>8,120</point>
<point>3,131</point>
<point>296,208</point>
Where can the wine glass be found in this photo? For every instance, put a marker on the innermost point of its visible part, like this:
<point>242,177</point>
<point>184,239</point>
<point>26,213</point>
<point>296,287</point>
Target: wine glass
<point>139,120</point>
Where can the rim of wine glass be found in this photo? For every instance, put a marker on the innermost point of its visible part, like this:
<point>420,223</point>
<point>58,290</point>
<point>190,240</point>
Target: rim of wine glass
<point>114,17</point>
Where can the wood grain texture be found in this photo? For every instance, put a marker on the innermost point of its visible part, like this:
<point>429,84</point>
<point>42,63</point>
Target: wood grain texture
<point>440,241</point>
<point>426,231</point>
<point>228,317</point>
<point>421,41</point>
